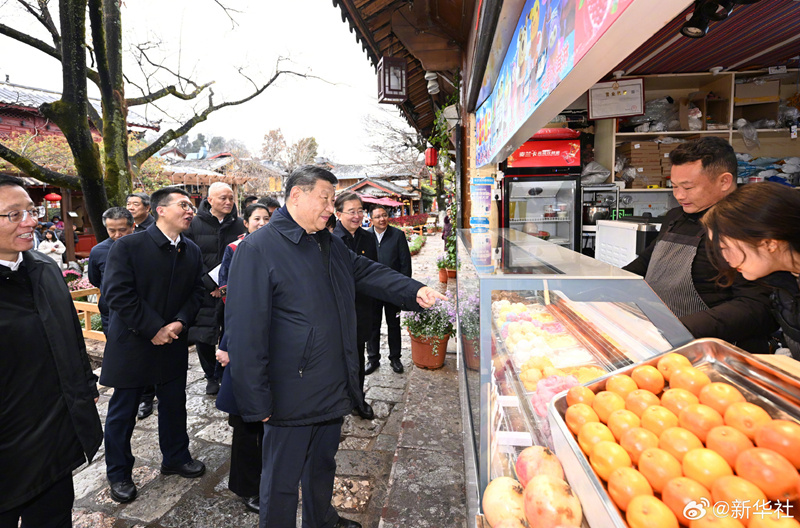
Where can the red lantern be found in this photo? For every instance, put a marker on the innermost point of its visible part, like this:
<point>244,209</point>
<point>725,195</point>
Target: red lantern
<point>52,197</point>
<point>431,157</point>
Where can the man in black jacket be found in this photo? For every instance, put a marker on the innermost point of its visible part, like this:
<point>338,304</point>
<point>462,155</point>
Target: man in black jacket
<point>153,286</point>
<point>216,225</point>
<point>49,419</point>
<point>291,328</point>
<point>393,252</point>
<point>676,264</point>
<point>139,206</point>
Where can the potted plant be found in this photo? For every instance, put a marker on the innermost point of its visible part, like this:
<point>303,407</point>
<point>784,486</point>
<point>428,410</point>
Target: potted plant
<point>430,331</point>
<point>441,263</point>
<point>470,325</point>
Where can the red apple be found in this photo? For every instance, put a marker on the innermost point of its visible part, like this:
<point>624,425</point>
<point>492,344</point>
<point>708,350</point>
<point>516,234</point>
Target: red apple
<point>549,502</point>
<point>537,460</point>
<point>502,500</point>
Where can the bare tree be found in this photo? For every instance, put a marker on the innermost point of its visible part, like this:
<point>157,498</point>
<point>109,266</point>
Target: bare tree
<point>107,177</point>
<point>395,144</point>
<point>302,152</point>
<point>274,146</point>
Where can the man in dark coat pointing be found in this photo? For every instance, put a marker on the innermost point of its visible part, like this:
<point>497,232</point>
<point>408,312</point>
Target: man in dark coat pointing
<point>153,286</point>
<point>291,330</point>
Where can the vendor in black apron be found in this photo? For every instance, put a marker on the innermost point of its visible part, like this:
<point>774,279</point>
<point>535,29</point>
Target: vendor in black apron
<point>676,264</point>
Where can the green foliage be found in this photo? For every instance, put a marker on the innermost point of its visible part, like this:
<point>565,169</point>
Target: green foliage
<point>436,321</point>
<point>416,243</point>
<point>97,323</point>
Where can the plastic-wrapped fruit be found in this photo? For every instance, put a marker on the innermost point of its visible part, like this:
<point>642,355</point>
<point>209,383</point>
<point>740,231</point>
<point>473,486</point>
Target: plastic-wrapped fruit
<point>537,460</point>
<point>550,502</point>
<point>503,499</point>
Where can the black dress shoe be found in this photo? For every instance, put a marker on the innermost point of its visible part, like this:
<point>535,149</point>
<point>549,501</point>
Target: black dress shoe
<point>212,387</point>
<point>371,367</point>
<point>346,523</point>
<point>396,365</point>
<point>124,491</point>
<point>145,410</point>
<point>192,469</point>
<point>251,503</point>
<point>366,412</point>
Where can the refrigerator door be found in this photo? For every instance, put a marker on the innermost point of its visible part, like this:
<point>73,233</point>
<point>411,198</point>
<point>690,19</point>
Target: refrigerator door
<point>543,206</point>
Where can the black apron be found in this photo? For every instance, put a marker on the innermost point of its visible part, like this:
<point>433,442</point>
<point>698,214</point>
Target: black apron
<point>669,274</point>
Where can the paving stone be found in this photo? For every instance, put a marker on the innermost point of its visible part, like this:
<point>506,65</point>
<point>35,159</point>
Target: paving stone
<point>142,476</point>
<point>350,495</point>
<point>90,479</point>
<point>388,379</point>
<point>212,455</point>
<point>352,442</point>
<point>382,409</point>
<point>385,442</point>
<point>392,425</point>
<point>362,463</point>
<point>160,497</point>
<point>385,394</point>
<point>199,511</point>
<point>86,519</point>
<point>203,406</point>
<point>356,426</point>
<point>219,432</point>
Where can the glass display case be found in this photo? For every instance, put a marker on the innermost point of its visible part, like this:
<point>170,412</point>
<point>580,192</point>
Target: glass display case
<point>535,318</point>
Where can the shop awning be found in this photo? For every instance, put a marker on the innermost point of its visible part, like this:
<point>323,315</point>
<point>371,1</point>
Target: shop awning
<point>389,202</point>
<point>366,198</point>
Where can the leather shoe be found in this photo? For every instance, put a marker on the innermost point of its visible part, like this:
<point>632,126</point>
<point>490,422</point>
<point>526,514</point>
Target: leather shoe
<point>251,503</point>
<point>346,523</point>
<point>366,412</point>
<point>371,367</point>
<point>192,469</point>
<point>396,365</point>
<point>145,410</point>
<point>124,491</point>
<point>212,387</point>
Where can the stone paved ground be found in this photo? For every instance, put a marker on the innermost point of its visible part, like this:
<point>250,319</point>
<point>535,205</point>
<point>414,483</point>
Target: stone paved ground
<point>405,468</point>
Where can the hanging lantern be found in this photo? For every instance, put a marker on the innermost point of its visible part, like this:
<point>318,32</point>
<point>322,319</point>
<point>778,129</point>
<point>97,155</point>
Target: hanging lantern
<point>52,197</point>
<point>430,175</point>
<point>431,157</point>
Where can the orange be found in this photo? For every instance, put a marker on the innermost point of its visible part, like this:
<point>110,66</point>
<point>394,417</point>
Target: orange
<point>593,433</point>
<point>608,456</point>
<point>678,441</point>
<point>621,420</point>
<point>649,512</point>
<point>705,466</point>
<point>648,377</point>
<point>746,417</point>
<point>667,364</point>
<point>783,437</point>
<point>579,414</point>
<point>711,520</point>
<point>580,394</point>
<point>658,467</point>
<point>639,400</point>
<point>624,484</point>
<point>658,419</point>
<point>605,403</point>
<point>732,488</point>
<point>771,472</point>
<point>728,442</point>
<point>719,396</point>
<point>700,419</point>
<point>637,440</point>
<point>677,400</point>
<point>775,520</point>
<point>621,384</point>
<point>679,492</point>
<point>689,378</point>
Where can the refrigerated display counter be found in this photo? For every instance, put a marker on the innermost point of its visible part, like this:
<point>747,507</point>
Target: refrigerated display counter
<point>533,319</point>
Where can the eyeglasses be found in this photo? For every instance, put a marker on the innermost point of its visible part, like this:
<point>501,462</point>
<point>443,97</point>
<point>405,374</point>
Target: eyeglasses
<point>358,212</point>
<point>378,217</point>
<point>15,217</point>
<point>186,206</point>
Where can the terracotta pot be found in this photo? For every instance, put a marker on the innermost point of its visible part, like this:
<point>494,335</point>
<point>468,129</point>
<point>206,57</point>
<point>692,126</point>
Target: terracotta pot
<point>472,358</point>
<point>428,351</point>
<point>451,273</point>
<point>442,275</point>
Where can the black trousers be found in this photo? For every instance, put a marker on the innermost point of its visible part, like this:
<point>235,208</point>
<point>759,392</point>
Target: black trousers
<point>52,508</point>
<point>362,364</point>
<point>299,455</point>
<point>149,392</point>
<point>172,437</point>
<point>392,313</point>
<point>208,361</point>
<point>245,475</point>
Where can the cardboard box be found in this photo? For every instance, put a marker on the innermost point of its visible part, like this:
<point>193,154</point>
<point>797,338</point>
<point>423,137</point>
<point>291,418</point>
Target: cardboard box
<point>757,93</point>
<point>639,145</point>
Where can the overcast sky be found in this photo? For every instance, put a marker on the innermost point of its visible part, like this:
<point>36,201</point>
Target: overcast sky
<point>198,38</point>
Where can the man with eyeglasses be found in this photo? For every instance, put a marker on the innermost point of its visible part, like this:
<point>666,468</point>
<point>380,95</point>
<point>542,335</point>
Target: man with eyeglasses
<point>215,226</point>
<point>153,287</point>
<point>50,424</point>
<point>139,206</point>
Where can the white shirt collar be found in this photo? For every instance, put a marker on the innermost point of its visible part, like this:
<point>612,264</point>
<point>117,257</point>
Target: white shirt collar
<point>173,242</point>
<point>380,235</point>
<point>14,265</point>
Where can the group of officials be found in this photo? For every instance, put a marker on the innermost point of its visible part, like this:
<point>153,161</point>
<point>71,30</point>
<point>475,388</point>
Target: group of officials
<point>290,323</point>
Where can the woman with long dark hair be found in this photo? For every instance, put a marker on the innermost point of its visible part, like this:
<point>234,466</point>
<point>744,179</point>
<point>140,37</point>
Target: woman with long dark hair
<point>755,231</point>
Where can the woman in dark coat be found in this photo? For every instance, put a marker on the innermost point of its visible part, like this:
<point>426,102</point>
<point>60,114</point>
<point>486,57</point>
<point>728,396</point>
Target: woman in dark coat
<point>350,211</point>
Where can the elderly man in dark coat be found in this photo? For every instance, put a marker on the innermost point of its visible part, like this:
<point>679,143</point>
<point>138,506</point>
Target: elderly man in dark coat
<point>153,286</point>
<point>291,330</point>
<point>216,225</point>
<point>49,422</point>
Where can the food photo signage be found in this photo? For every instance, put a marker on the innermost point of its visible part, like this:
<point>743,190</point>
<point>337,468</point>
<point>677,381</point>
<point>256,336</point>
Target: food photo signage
<point>550,38</point>
<point>553,153</point>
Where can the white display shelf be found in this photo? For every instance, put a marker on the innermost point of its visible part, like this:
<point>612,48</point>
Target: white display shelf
<point>539,220</point>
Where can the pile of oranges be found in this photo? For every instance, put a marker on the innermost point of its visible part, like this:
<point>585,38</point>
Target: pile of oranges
<point>660,447</point>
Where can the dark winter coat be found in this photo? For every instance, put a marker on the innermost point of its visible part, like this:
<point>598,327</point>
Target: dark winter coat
<point>212,236</point>
<point>97,265</point>
<point>393,250</point>
<point>291,325</point>
<point>786,308</point>
<point>739,314</point>
<point>75,381</point>
<point>147,222</point>
<point>365,244</point>
<point>148,284</point>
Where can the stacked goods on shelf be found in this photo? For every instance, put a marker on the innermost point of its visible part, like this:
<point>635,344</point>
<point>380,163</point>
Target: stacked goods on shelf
<point>643,156</point>
<point>672,447</point>
<point>663,150</point>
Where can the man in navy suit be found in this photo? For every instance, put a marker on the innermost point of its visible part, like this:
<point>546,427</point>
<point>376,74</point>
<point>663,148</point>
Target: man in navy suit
<point>392,252</point>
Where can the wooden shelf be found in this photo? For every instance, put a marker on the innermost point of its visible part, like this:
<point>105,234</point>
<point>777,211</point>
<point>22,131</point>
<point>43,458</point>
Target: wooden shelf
<point>660,189</point>
<point>767,131</point>
<point>673,133</point>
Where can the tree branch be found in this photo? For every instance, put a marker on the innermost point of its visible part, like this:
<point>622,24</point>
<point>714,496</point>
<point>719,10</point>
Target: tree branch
<point>228,12</point>
<point>43,16</point>
<point>37,171</point>
<point>169,90</point>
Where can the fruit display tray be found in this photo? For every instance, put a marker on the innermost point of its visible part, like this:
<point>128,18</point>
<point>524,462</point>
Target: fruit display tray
<point>770,387</point>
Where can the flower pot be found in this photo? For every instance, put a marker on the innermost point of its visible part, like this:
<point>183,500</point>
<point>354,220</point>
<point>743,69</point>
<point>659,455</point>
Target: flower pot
<point>451,273</point>
<point>442,275</point>
<point>428,351</point>
<point>472,357</point>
